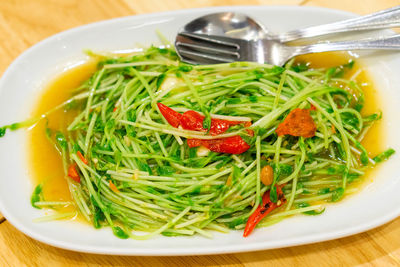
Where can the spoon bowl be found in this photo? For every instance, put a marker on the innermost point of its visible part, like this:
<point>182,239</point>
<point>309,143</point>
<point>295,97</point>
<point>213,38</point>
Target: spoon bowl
<point>230,24</point>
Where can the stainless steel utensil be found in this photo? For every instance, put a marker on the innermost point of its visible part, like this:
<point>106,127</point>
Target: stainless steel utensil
<point>205,49</point>
<point>238,25</point>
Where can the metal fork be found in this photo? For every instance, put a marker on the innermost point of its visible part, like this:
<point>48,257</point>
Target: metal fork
<point>207,49</point>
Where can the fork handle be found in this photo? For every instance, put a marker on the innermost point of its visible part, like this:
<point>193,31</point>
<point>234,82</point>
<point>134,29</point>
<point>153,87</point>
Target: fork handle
<point>387,18</point>
<point>384,43</point>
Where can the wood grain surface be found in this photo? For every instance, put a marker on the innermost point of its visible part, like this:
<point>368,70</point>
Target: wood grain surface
<point>25,22</point>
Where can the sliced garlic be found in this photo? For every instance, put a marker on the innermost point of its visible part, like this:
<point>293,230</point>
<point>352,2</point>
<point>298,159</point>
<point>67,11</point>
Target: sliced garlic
<point>202,151</point>
<point>169,83</point>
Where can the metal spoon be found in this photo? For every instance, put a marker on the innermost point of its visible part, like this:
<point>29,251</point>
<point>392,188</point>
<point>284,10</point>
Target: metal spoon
<point>238,25</point>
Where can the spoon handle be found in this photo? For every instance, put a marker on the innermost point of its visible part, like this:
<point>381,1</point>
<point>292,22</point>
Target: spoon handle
<point>384,43</point>
<point>387,18</point>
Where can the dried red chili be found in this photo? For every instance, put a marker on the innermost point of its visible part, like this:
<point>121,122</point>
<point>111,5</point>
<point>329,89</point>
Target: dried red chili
<point>297,123</point>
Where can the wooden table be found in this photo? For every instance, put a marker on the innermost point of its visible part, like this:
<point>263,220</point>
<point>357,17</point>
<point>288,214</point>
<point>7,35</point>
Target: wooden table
<point>25,22</point>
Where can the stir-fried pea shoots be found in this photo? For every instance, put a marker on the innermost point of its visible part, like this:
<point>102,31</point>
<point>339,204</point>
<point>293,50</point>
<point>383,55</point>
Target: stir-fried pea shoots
<point>140,174</point>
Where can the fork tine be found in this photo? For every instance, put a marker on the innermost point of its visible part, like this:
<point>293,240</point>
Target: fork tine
<point>183,39</point>
<point>193,62</point>
<point>205,57</point>
<point>207,49</point>
<point>210,39</point>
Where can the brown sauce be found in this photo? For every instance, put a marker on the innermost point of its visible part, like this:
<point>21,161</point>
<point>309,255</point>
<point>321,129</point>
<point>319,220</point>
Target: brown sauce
<point>45,161</point>
<point>373,140</point>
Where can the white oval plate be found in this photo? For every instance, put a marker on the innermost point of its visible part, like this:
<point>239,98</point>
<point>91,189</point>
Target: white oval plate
<point>20,86</point>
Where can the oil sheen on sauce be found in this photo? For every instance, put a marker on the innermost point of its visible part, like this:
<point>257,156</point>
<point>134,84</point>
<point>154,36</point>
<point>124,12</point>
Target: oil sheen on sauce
<point>45,161</point>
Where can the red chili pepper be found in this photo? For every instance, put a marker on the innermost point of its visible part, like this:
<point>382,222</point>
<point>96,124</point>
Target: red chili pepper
<point>220,126</point>
<point>84,160</point>
<point>192,120</point>
<point>194,142</point>
<point>73,173</point>
<point>232,145</point>
<point>173,117</point>
<point>263,210</point>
